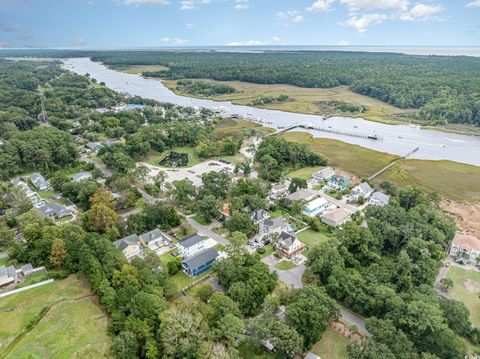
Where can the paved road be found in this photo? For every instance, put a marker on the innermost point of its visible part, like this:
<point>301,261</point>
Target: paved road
<point>206,231</point>
<point>353,319</point>
<point>336,202</point>
<point>101,168</point>
<point>147,197</point>
<point>131,212</point>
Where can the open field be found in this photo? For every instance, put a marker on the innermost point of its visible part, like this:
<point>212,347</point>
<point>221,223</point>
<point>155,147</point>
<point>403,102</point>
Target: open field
<point>72,325</point>
<point>455,181</point>
<point>231,126</point>
<point>140,69</point>
<point>331,346</point>
<point>312,238</point>
<point>306,100</point>
<point>304,173</point>
<point>466,289</point>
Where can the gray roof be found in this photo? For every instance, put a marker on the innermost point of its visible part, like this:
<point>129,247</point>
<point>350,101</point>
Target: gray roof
<point>57,209</point>
<point>381,197</point>
<point>3,271</point>
<point>363,187</point>
<point>312,356</point>
<point>191,240</point>
<point>273,222</point>
<point>130,240</point>
<point>95,146</point>
<point>11,272</point>
<point>260,214</point>
<point>81,175</point>
<point>26,268</point>
<point>325,173</point>
<point>302,194</point>
<point>201,258</point>
<point>152,235</point>
<point>286,239</point>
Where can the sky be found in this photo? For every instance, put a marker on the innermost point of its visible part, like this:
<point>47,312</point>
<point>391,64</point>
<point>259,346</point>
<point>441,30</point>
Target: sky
<point>168,23</point>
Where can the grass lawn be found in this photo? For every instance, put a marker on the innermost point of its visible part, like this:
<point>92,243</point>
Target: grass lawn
<point>4,261</point>
<point>139,69</point>
<point>312,238</point>
<point>285,265</point>
<point>444,177</point>
<point>199,219</point>
<point>220,230</point>
<point>46,194</point>
<point>268,250</point>
<point>307,100</point>
<point>74,327</point>
<point>466,289</point>
<point>181,280</point>
<point>331,346</point>
<point>249,350</point>
<point>34,278</point>
<point>154,158</point>
<point>304,173</point>
<point>231,126</point>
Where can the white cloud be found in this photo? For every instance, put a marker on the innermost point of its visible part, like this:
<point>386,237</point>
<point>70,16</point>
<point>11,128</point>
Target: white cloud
<point>189,25</point>
<point>275,39</point>
<point>475,3</point>
<point>354,5</point>
<point>192,4</point>
<point>320,6</point>
<point>247,43</point>
<point>343,43</point>
<point>146,2</point>
<point>293,15</point>
<point>361,23</point>
<point>174,41</point>
<point>422,12</point>
<point>242,5</point>
<point>78,41</point>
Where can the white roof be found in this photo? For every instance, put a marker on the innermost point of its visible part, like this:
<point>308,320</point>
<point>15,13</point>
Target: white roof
<point>363,187</point>
<point>317,202</point>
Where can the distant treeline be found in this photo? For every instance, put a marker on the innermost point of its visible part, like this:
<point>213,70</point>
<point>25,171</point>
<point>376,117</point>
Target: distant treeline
<point>445,89</point>
<point>200,87</point>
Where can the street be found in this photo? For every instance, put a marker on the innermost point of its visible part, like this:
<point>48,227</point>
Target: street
<point>204,230</point>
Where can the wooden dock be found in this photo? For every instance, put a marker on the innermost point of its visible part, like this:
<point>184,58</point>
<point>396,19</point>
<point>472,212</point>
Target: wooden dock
<point>392,163</point>
<point>368,136</point>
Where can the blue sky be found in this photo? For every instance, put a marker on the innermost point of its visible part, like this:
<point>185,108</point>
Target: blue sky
<point>166,23</point>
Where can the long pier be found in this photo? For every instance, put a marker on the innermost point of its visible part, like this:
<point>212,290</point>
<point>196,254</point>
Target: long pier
<point>392,163</point>
<point>328,130</point>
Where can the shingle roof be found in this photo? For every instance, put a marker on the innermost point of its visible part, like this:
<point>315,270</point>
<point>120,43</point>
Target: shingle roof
<point>259,214</point>
<point>326,172</point>
<point>152,235</point>
<point>302,194</point>
<point>336,215</point>
<point>312,356</point>
<point>3,271</point>
<point>191,240</point>
<point>11,272</point>
<point>130,240</point>
<point>381,197</point>
<point>26,268</point>
<point>364,188</point>
<point>286,239</point>
<point>201,258</point>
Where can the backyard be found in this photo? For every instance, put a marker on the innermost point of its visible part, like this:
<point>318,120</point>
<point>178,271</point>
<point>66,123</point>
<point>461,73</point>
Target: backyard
<point>331,346</point>
<point>466,289</point>
<point>60,320</point>
<point>312,238</point>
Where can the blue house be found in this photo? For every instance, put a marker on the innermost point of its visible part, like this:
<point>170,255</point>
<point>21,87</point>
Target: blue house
<point>338,182</point>
<point>200,262</point>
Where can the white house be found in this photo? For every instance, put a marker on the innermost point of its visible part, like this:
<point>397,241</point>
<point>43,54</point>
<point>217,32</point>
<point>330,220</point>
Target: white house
<point>379,199</point>
<point>465,245</point>
<point>362,190</point>
<point>288,245</point>
<point>324,174</point>
<point>336,217</point>
<point>270,226</point>
<point>39,181</point>
<point>154,239</point>
<point>191,245</point>
<point>315,207</point>
<point>259,215</point>
<point>279,190</point>
<point>81,176</point>
<point>130,246</point>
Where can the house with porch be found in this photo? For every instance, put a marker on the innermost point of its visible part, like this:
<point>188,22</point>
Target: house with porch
<point>130,246</point>
<point>324,174</point>
<point>200,262</point>
<point>466,246</point>
<point>379,199</point>
<point>336,217</point>
<point>338,182</point>
<point>154,239</point>
<point>288,245</point>
<point>362,190</point>
<point>191,245</point>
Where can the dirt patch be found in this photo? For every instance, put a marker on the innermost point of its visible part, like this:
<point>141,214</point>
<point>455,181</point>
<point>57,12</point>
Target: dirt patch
<point>471,286</point>
<point>467,216</point>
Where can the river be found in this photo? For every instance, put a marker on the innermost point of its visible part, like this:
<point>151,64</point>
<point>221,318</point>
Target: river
<point>397,139</point>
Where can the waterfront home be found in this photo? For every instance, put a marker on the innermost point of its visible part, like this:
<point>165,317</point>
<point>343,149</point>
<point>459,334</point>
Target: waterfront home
<point>466,246</point>
<point>130,246</point>
<point>362,190</point>
<point>81,176</point>
<point>39,181</point>
<point>324,174</point>
<point>315,207</point>
<point>304,194</point>
<point>191,245</point>
<point>279,190</point>
<point>338,182</point>
<point>200,262</point>
<point>379,199</point>
<point>288,245</point>
<point>336,217</point>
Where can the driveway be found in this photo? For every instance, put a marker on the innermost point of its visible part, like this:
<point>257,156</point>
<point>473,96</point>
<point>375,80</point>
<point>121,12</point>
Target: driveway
<point>291,277</point>
<point>201,229</point>
<point>101,168</point>
<point>353,319</point>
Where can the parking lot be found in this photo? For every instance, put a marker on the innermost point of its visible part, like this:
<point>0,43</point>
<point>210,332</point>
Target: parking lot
<point>193,173</point>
